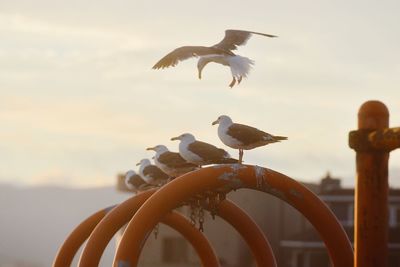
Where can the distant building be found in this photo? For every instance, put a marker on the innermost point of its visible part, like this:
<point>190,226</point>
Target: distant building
<point>293,239</point>
<point>305,248</point>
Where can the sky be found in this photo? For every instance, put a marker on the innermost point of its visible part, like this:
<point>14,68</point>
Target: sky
<point>79,101</point>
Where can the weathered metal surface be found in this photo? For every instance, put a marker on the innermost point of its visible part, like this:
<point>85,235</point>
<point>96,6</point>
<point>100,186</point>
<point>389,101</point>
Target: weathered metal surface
<point>371,199</point>
<point>121,214</point>
<point>197,182</point>
<point>365,140</point>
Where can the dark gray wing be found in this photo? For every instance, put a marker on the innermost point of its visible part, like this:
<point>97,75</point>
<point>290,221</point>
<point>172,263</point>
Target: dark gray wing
<point>207,151</point>
<point>136,181</point>
<point>155,172</point>
<point>235,38</point>
<point>174,160</point>
<point>248,135</point>
<point>185,52</point>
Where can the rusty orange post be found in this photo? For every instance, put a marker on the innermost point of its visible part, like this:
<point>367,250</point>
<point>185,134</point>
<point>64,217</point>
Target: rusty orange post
<point>122,213</point>
<point>73,242</point>
<point>371,194</point>
<point>234,176</point>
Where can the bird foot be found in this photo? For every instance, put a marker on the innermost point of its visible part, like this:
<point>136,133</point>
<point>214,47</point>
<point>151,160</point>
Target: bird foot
<point>240,156</point>
<point>240,79</point>
<point>233,82</point>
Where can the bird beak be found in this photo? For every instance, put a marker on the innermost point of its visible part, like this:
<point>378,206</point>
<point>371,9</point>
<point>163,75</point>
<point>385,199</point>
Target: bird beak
<point>215,122</point>
<point>175,138</point>
<point>137,164</point>
<point>150,148</point>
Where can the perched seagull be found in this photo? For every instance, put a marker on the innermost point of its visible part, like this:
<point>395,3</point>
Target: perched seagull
<point>171,162</point>
<point>220,53</point>
<point>134,182</point>
<point>151,173</point>
<point>201,153</point>
<point>243,137</point>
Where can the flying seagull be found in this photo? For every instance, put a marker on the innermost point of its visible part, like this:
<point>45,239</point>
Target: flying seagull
<point>220,53</point>
<point>171,162</point>
<point>134,182</point>
<point>201,153</point>
<point>243,137</point>
<point>151,173</point>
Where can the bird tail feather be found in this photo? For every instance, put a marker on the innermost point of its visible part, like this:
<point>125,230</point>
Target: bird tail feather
<point>280,138</point>
<point>240,66</point>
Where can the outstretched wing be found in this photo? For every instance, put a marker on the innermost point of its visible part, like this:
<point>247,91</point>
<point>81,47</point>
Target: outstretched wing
<point>182,53</point>
<point>235,38</point>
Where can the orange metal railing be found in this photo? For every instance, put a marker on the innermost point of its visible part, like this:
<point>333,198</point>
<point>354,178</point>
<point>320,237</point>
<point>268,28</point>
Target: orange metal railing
<point>372,142</point>
<point>121,214</point>
<point>77,237</point>
<point>235,176</point>
<point>93,254</point>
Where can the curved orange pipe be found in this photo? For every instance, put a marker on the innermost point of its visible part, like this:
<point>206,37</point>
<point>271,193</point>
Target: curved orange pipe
<point>194,236</point>
<point>235,176</point>
<point>228,211</point>
<point>73,242</point>
<point>250,231</point>
<point>78,236</point>
<point>122,213</point>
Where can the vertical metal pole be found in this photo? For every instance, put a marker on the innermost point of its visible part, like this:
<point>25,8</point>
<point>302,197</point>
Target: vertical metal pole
<point>371,200</point>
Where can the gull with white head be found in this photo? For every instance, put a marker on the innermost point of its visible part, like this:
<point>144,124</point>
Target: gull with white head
<point>243,137</point>
<point>134,182</point>
<point>171,162</point>
<point>151,173</point>
<point>220,53</point>
<point>201,153</point>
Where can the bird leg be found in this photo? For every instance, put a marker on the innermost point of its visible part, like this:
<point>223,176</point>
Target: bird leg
<point>233,82</point>
<point>240,155</point>
<point>240,79</point>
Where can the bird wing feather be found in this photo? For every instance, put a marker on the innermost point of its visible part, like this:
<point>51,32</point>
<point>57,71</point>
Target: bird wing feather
<point>248,135</point>
<point>154,172</point>
<point>207,151</point>
<point>235,38</point>
<point>182,53</point>
<point>174,160</point>
<point>136,181</point>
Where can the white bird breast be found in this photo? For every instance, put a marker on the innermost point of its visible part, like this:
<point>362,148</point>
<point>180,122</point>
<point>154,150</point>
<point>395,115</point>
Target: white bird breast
<point>227,139</point>
<point>187,154</point>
